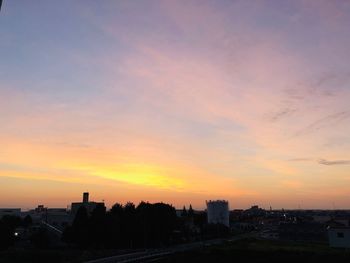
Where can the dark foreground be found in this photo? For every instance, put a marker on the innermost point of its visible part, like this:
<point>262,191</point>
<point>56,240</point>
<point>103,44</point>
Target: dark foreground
<point>247,250</point>
<point>252,250</point>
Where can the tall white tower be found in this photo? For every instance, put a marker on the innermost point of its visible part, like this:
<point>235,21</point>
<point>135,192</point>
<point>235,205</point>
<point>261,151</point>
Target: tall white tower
<point>218,212</point>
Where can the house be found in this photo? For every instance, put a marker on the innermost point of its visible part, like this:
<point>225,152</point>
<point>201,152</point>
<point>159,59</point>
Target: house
<point>339,237</point>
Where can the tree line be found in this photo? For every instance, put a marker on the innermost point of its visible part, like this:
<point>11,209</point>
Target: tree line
<point>147,225</point>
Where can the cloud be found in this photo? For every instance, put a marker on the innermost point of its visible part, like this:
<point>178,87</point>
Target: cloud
<point>323,85</point>
<point>335,162</point>
<point>321,161</point>
<point>283,113</point>
<point>201,98</point>
<point>324,122</point>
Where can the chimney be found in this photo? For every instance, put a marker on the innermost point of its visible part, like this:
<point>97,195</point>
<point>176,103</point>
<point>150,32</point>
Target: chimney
<point>86,197</point>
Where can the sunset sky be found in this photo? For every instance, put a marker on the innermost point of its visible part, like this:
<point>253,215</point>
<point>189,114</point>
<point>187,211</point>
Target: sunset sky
<point>175,101</point>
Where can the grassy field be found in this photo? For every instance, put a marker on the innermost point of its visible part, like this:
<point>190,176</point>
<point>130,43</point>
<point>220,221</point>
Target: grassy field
<point>251,250</point>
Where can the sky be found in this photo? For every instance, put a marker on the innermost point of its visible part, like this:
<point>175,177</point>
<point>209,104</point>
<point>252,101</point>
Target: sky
<point>175,101</point>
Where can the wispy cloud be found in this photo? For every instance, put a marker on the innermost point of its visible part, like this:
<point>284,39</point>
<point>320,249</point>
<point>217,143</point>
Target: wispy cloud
<point>335,162</point>
<point>321,161</point>
<point>324,122</point>
<point>283,113</point>
<point>202,96</point>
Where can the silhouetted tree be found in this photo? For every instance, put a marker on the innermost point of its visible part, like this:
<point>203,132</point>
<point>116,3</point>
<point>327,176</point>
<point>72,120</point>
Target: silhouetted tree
<point>184,212</point>
<point>144,223</point>
<point>114,223</point>
<point>190,211</point>
<point>97,228</point>
<point>129,225</point>
<point>80,227</point>
<point>157,222</point>
<point>27,221</point>
<point>117,209</point>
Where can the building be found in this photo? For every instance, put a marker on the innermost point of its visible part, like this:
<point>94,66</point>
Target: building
<point>339,237</point>
<point>57,217</point>
<point>90,206</point>
<point>254,211</point>
<point>218,212</point>
<point>10,212</point>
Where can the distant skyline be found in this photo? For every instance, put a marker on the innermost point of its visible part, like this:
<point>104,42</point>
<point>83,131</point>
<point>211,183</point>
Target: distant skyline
<point>175,101</point>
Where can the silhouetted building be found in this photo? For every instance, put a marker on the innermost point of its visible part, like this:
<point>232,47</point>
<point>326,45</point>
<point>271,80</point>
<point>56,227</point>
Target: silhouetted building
<point>218,212</point>
<point>40,209</point>
<point>339,237</point>
<point>85,197</point>
<point>10,212</point>
<point>255,211</point>
<point>90,206</point>
<point>57,217</point>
